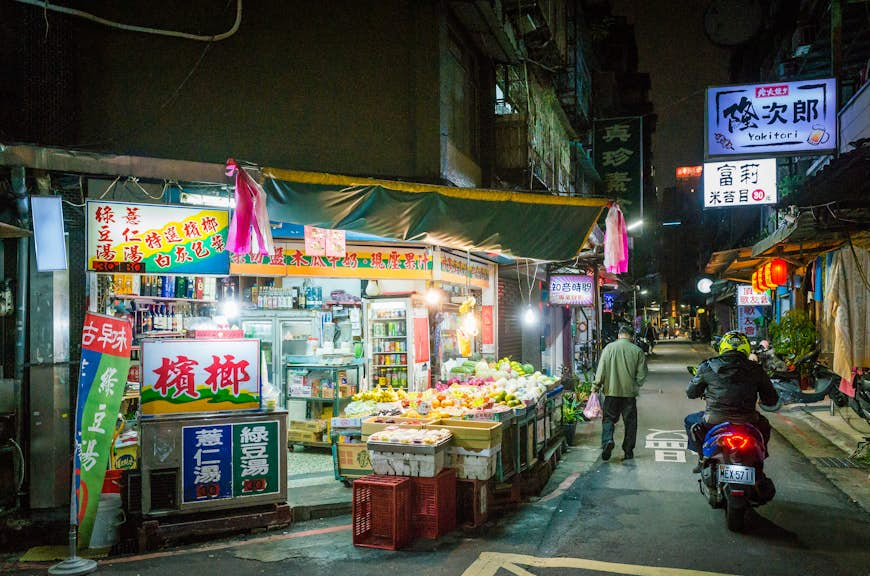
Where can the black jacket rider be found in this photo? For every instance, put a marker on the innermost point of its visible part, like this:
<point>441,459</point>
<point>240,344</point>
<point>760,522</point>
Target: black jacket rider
<point>731,385</point>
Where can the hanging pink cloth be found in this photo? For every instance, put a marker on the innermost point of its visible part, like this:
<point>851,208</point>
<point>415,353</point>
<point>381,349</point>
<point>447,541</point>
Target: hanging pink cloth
<point>615,242</point>
<point>250,212</point>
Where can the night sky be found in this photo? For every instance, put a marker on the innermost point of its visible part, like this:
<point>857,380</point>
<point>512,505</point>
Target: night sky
<point>681,62</point>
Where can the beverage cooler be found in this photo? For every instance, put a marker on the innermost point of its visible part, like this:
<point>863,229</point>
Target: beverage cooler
<point>284,335</point>
<point>397,342</point>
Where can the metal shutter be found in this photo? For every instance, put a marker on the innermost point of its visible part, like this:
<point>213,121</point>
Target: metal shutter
<point>510,332</point>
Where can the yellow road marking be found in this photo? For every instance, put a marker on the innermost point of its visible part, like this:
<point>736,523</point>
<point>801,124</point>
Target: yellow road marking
<point>489,563</point>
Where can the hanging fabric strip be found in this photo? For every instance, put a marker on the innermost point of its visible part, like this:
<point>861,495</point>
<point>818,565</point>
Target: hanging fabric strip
<point>250,212</point>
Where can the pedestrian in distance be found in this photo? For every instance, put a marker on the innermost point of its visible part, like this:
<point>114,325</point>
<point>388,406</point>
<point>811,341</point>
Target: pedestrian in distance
<point>621,372</point>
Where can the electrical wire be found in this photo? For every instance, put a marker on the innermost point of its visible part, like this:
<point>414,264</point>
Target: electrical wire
<point>45,5</point>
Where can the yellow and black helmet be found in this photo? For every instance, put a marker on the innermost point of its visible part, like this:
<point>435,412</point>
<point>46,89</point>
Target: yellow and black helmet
<point>735,340</point>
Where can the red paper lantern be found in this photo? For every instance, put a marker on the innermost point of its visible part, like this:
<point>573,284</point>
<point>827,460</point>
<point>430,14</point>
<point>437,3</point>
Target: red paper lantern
<point>771,275</point>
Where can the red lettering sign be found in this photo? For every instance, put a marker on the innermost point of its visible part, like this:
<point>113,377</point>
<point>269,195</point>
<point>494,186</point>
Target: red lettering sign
<point>227,374</point>
<point>179,375</point>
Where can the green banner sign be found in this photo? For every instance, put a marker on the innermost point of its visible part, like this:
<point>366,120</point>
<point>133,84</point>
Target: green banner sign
<point>618,155</point>
<point>255,458</point>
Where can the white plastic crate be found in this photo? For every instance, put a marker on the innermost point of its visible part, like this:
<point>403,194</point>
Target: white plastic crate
<point>407,464</point>
<point>473,465</point>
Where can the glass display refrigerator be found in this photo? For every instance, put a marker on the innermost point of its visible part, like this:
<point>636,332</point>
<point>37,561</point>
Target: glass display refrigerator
<point>397,342</point>
<point>285,336</point>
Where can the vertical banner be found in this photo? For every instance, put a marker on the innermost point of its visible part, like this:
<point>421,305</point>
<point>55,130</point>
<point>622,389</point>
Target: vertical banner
<point>207,463</point>
<point>255,458</point>
<point>618,156</point>
<point>487,333</point>
<point>106,345</point>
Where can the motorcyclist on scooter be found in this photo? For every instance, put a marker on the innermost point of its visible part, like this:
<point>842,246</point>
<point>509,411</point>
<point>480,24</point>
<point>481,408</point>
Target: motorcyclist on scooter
<point>731,384</point>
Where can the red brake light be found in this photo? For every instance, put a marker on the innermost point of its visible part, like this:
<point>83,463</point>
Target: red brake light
<point>737,441</point>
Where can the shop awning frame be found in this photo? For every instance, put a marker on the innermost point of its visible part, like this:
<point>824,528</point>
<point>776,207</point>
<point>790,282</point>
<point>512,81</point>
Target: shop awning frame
<point>518,224</point>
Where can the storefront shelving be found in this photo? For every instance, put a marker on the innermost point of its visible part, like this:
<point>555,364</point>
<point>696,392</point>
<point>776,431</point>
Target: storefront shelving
<point>317,402</point>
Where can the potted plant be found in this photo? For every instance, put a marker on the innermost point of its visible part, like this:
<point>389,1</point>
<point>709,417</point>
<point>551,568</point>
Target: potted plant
<point>571,413</point>
<point>794,338</point>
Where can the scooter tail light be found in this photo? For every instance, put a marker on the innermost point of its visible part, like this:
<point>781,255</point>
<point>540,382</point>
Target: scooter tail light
<point>737,441</point>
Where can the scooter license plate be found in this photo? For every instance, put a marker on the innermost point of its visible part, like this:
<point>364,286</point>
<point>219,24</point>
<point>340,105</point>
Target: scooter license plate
<point>732,474</point>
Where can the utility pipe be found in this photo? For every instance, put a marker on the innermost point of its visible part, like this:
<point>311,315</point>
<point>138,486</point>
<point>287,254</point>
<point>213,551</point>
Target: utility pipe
<point>19,189</point>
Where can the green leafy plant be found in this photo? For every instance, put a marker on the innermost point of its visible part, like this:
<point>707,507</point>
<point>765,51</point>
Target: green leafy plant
<point>571,412</point>
<point>794,336</point>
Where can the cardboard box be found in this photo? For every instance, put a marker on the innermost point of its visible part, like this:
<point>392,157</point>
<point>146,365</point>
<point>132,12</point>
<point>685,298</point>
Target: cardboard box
<point>378,423</point>
<point>471,434</point>
<point>308,425</point>
<point>353,460</point>
<point>300,391</point>
<point>302,436</point>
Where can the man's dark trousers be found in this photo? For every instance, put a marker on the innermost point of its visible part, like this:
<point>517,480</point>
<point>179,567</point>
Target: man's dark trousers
<point>614,407</point>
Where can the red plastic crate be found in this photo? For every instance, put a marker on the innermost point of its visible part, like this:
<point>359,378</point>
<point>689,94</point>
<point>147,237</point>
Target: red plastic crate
<point>434,507</point>
<point>382,512</point>
<point>472,502</point>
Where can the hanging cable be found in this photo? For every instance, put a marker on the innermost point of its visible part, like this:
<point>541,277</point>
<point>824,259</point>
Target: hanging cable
<point>45,5</point>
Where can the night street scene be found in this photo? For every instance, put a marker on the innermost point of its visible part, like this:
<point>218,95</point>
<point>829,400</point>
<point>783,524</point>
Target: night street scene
<point>435,287</point>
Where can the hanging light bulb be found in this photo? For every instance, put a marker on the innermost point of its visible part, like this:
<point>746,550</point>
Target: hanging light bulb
<point>529,317</point>
<point>433,296</point>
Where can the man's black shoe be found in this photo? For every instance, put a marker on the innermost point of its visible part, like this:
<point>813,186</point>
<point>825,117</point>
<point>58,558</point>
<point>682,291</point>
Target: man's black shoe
<point>698,467</point>
<point>628,455</point>
<point>608,450</point>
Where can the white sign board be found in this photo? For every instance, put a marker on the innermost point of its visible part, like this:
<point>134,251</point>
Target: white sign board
<point>572,290</point>
<point>740,183</point>
<point>765,119</point>
<point>746,296</point>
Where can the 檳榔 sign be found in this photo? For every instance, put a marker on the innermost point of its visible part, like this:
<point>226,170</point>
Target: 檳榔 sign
<point>182,376</point>
<point>776,118</point>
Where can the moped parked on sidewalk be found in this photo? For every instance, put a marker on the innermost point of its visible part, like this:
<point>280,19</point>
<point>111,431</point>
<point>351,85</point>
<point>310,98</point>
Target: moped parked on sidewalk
<point>787,379</point>
<point>859,401</point>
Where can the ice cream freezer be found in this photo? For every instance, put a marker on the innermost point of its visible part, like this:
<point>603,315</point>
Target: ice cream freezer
<point>212,462</point>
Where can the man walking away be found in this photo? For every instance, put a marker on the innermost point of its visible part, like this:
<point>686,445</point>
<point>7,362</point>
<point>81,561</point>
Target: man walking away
<point>621,372</point>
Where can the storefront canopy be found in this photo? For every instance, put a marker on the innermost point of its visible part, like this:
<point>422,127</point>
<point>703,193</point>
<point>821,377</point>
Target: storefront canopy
<point>521,225</point>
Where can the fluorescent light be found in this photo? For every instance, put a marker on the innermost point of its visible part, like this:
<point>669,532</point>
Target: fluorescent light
<point>634,225</point>
<point>674,223</point>
<point>644,291</point>
<point>207,200</point>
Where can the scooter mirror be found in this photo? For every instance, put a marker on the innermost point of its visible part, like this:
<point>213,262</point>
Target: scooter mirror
<point>692,370</point>
<point>774,408</point>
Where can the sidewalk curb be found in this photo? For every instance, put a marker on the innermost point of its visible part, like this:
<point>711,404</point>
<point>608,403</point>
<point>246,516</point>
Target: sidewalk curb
<point>809,436</point>
<point>321,511</point>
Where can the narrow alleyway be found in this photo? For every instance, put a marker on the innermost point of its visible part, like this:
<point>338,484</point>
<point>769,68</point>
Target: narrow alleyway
<point>617,517</point>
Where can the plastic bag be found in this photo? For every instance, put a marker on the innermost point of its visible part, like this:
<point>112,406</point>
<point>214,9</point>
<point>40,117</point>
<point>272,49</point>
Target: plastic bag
<point>593,407</point>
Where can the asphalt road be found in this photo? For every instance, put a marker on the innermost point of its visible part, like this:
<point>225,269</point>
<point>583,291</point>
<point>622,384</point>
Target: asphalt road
<point>643,517</point>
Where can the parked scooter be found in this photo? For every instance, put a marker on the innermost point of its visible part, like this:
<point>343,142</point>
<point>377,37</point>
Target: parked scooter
<point>859,402</point>
<point>643,343</point>
<point>787,382</point>
<point>732,472</point>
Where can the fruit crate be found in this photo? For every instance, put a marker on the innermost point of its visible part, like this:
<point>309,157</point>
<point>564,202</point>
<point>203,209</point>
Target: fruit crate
<point>382,512</point>
<point>508,458</point>
<point>471,434</point>
<point>434,504</point>
<point>472,502</point>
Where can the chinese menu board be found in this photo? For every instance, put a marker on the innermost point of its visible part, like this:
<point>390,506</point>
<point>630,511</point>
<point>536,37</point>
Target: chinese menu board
<point>740,183</point>
<point>156,239</point>
<point>618,156</point>
<point>229,461</point>
<point>765,119</point>
<point>572,290</point>
<point>750,320</point>
<point>746,296</point>
<point>183,376</point>
<point>105,363</point>
<point>291,259</point>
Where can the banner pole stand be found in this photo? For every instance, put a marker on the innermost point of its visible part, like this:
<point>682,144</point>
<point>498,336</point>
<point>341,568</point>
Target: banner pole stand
<point>73,564</point>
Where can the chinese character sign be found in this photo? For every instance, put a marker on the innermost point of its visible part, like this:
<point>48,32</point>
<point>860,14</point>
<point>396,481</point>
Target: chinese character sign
<point>105,363</point>
<point>746,296</point>
<point>763,119</point>
<point>156,239</point>
<point>291,259</point>
<point>572,290</point>
<point>255,458</point>
<point>618,156</point>
<point>740,183</point>
<point>750,320</point>
<point>180,376</point>
<point>207,463</point>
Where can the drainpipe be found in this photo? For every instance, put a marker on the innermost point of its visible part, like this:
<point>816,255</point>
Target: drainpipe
<point>19,189</point>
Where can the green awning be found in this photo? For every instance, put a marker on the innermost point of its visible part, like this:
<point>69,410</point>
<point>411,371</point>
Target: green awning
<point>521,225</point>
